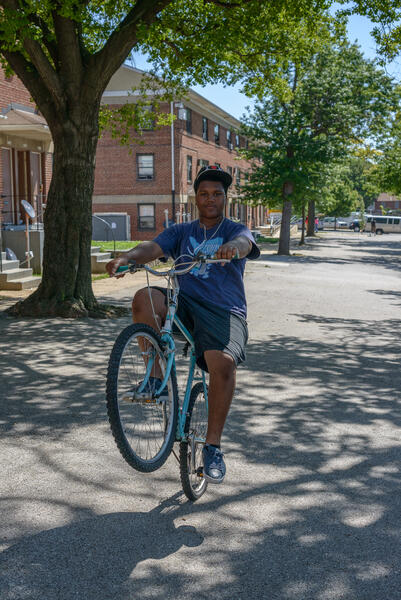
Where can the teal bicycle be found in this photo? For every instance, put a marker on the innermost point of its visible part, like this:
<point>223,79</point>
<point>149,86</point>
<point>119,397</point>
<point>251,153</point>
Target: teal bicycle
<point>143,406</point>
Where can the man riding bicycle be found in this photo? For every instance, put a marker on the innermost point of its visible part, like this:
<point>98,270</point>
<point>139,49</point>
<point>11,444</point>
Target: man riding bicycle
<point>212,304</point>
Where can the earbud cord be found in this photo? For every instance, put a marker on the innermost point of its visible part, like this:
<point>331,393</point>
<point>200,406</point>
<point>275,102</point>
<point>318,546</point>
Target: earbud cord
<point>211,237</point>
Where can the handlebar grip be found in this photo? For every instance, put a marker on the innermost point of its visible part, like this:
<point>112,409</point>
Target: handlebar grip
<point>122,269</point>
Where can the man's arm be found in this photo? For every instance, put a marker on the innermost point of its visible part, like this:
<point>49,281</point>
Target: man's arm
<point>239,247</point>
<point>141,254</point>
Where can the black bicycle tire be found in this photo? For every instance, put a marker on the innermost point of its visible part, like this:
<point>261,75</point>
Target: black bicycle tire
<point>112,405</point>
<point>190,493</point>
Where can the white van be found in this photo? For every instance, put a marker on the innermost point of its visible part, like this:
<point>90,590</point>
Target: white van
<point>384,223</point>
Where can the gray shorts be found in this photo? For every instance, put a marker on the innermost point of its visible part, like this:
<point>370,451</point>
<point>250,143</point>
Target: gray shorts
<point>212,328</point>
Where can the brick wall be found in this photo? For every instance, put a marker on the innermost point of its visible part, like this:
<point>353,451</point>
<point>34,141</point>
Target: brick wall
<point>132,210</point>
<point>116,170</point>
<point>13,90</point>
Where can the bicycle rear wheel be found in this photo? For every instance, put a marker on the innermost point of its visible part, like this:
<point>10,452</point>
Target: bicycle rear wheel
<point>191,460</point>
<point>143,426</point>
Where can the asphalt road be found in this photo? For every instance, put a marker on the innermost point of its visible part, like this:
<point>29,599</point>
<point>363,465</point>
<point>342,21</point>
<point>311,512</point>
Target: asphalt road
<point>311,506</point>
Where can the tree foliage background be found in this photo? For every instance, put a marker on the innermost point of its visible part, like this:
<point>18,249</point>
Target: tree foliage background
<point>325,106</point>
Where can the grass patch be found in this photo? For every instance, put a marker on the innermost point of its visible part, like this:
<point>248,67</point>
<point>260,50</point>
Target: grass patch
<point>267,240</point>
<point>100,276</point>
<point>107,246</point>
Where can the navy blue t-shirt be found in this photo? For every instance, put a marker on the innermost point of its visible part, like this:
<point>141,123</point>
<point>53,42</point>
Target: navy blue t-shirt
<point>213,283</point>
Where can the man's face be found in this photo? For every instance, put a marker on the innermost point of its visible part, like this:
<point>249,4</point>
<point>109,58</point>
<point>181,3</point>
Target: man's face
<point>210,199</point>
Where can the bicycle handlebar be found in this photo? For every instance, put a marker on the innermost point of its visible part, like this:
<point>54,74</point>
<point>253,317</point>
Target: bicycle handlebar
<point>171,272</point>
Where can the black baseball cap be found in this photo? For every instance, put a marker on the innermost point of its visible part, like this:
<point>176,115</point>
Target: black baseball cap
<point>213,173</point>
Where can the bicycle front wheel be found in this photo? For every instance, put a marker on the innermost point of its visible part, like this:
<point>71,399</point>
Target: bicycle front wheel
<point>144,427</point>
<point>191,460</point>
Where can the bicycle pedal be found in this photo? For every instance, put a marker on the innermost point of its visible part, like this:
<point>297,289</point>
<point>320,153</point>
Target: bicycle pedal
<point>199,471</point>
<point>140,399</point>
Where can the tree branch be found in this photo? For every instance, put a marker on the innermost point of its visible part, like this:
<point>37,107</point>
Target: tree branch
<point>45,70</point>
<point>71,65</point>
<point>105,62</point>
<point>228,4</point>
<point>32,81</point>
<point>41,24</point>
<point>38,58</point>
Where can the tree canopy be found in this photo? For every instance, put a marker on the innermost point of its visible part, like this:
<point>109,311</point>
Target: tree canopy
<point>331,101</point>
<point>66,52</point>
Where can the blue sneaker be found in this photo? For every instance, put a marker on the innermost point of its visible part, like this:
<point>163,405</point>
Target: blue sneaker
<point>154,384</point>
<point>214,468</point>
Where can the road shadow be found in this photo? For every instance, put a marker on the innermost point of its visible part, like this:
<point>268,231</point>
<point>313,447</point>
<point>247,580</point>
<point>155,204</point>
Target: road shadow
<point>53,373</point>
<point>96,558</point>
<point>312,515</point>
<point>391,294</point>
<point>332,451</point>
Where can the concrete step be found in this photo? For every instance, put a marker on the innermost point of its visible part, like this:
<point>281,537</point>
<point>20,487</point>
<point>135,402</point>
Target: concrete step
<point>98,255</point>
<point>99,261</point>
<point>99,267</point>
<point>95,249</point>
<point>8,265</point>
<point>15,274</point>
<point>24,283</point>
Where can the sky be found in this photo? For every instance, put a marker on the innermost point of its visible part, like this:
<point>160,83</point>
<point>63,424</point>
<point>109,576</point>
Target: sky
<point>234,102</point>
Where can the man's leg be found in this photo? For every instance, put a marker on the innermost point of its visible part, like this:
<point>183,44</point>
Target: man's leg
<point>142,313</point>
<point>142,308</point>
<point>222,371</point>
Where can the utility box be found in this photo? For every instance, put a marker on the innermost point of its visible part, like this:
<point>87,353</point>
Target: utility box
<point>105,225</point>
<point>14,237</point>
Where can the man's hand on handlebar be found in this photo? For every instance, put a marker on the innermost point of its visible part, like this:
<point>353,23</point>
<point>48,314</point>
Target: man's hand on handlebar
<point>114,264</point>
<point>227,251</point>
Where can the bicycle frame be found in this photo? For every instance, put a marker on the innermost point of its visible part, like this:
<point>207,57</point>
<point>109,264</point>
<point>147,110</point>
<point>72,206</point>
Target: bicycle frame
<point>169,343</point>
<point>168,339</point>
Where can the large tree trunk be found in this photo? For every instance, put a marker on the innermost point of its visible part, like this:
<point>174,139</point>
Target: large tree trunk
<point>66,287</point>
<point>311,218</point>
<point>285,229</point>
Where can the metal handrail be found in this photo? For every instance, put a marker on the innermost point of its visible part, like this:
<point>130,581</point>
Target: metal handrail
<point>112,232</point>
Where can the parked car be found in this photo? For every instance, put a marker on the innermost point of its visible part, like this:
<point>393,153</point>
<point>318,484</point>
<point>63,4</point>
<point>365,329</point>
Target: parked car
<point>320,225</point>
<point>355,225</point>
<point>328,222</point>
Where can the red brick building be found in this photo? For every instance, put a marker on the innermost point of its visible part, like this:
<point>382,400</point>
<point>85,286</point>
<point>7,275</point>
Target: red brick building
<point>136,180</point>
<point>26,152</point>
<point>146,180</point>
<point>388,202</point>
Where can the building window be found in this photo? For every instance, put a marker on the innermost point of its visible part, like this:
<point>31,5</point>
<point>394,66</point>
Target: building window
<point>146,217</point>
<point>217,134</point>
<point>188,120</point>
<point>203,163</point>
<point>205,126</point>
<point>229,140</point>
<point>189,169</point>
<point>148,123</point>
<point>237,141</point>
<point>145,166</point>
<point>238,176</point>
